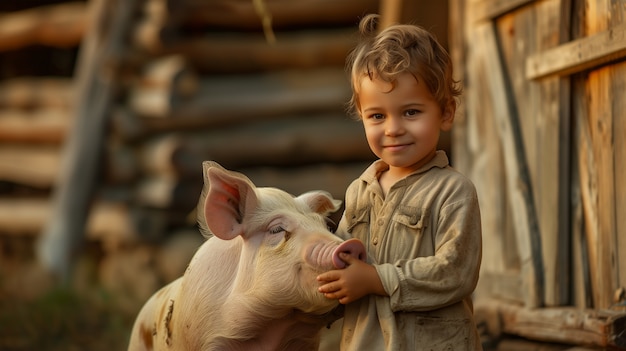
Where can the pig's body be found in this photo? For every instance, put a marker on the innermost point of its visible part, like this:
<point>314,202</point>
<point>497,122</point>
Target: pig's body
<point>252,286</point>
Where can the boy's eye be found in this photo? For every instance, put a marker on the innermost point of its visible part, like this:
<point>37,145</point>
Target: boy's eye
<point>412,112</point>
<point>377,116</point>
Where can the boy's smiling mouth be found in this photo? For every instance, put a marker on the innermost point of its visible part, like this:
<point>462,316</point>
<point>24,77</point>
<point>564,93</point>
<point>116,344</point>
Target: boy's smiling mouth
<point>396,147</point>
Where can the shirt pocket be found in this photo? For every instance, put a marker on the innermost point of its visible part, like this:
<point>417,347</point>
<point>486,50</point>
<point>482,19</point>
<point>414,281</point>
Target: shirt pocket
<point>413,218</point>
<point>410,232</point>
<point>359,222</point>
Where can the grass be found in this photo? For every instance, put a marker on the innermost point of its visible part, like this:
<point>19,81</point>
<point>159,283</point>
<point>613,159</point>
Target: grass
<point>64,320</point>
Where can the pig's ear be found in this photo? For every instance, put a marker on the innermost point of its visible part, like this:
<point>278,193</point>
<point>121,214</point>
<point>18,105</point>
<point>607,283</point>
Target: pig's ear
<point>320,201</point>
<point>230,195</point>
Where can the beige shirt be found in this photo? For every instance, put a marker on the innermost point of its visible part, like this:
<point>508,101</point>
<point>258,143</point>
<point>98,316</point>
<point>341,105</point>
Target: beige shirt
<point>424,239</point>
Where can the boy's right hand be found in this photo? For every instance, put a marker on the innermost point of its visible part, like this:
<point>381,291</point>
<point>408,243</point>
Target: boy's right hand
<point>351,283</point>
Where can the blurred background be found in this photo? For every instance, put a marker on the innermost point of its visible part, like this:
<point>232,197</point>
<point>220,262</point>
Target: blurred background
<point>108,108</point>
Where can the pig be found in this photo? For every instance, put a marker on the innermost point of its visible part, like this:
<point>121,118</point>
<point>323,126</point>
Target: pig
<point>252,285</point>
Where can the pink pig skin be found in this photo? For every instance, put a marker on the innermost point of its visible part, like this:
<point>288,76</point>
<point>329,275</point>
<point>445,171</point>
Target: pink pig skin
<point>251,286</point>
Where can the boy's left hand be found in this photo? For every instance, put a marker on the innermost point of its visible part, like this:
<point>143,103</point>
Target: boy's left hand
<point>351,283</point>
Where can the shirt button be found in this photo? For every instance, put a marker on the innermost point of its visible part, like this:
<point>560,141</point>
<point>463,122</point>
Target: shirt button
<point>380,222</point>
<point>375,240</point>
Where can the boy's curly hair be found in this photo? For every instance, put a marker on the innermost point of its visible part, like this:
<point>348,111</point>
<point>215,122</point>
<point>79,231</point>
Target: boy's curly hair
<point>399,49</point>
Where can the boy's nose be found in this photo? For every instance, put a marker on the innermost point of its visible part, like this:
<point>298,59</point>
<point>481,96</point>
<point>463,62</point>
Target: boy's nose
<point>393,126</point>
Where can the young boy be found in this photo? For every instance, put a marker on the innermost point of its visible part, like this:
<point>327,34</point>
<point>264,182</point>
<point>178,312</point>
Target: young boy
<point>418,217</point>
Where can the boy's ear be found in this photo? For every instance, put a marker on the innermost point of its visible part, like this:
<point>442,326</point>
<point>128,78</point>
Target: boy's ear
<point>448,116</point>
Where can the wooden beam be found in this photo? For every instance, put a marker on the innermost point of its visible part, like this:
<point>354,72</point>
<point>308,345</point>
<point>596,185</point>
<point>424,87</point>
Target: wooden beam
<point>487,10</point>
<point>579,55</point>
<point>567,325</point>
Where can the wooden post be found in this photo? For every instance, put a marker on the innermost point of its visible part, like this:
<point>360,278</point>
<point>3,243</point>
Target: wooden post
<point>63,234</point>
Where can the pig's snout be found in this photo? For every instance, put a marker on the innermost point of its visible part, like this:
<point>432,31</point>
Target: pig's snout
<point>352,247</point>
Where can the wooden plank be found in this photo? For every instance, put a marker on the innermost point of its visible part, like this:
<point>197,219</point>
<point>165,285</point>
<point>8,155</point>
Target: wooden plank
<point>544,161</point>
<point>582,296</point>
<point>600,119</point>
<point>617,73</point>
<point>619,136</point>
<point>95,90</point>
<point>579,55</point>
<point>601,128</point>
<point>486,10</point>
<point>61,25</point>
<point>582,263</point>
<point>518,181</point>
<point>528,30</point>
<point>588,191</point>
<point>565,325</point>
<point>478,154</point>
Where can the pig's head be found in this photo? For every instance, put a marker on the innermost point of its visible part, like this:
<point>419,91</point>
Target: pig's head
<point>285,241</point>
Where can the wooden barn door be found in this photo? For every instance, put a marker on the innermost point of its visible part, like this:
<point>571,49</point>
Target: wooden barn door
<point>541,132</point>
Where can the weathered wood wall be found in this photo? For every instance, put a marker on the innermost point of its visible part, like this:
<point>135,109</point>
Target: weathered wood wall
<point>541,135</point>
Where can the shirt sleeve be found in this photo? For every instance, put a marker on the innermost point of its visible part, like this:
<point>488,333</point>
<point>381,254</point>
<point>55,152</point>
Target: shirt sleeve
<point>448,276</point>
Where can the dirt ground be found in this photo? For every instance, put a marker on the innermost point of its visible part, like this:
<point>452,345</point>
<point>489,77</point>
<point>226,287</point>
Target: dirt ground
<point>67,320</point>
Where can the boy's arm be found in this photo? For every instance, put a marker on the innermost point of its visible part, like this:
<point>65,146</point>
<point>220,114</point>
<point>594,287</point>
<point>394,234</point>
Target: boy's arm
<point>432,282</point>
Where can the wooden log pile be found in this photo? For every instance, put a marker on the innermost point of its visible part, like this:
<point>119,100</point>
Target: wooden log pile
<point>211,86</point>
<point>197,80</point>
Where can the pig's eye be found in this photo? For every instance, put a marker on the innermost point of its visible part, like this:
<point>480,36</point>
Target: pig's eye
<point>330,224</point>
<point>277,229</point>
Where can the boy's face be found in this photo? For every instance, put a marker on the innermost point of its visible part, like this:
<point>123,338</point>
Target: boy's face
<point>402,124</point>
